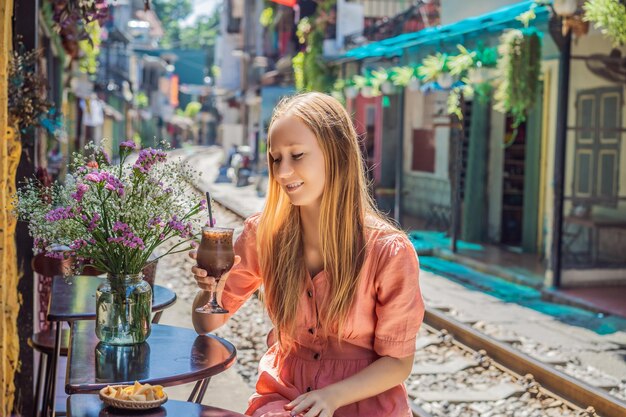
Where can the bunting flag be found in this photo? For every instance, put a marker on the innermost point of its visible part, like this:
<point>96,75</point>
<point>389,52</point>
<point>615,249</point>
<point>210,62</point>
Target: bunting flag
<point>289,3</point>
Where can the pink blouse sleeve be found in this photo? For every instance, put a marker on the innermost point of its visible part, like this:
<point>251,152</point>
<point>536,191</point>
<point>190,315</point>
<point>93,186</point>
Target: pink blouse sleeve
<point>399,305</point>
<point>245,278</point>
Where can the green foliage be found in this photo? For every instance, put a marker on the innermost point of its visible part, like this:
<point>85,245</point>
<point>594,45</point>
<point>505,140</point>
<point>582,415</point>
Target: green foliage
<point>298,70</point>
<point>192,109</point>
<point>90,48</point>
<point>203,33</point>
<point>527,17</point>
<point>401,76</point>
<point>141,100</point>
<point>267,17</point>
<point>171,13</point>
<point>310,71</point>
<point>519,68</point>
<point>460,63</point>
<point>433,66</point>
<point>609,16</point>
<point>216,71</point>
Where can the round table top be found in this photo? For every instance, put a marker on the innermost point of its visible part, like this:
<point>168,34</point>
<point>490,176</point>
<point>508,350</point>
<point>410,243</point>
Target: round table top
<point>74,298</point>
<point>89,405</point>
<point>171,356</point>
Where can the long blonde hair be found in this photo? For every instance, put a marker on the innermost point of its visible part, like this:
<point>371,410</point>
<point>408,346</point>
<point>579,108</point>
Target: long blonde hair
<point>344,207</point>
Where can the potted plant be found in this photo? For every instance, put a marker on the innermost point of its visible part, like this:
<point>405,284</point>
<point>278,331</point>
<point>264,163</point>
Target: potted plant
<point>113,217</point>
<point>609,16</point>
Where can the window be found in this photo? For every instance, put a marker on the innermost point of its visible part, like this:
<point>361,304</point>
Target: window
<point>598,138</point>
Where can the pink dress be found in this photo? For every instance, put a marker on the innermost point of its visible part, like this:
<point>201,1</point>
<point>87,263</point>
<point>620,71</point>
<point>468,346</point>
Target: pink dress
<point>384,321</point>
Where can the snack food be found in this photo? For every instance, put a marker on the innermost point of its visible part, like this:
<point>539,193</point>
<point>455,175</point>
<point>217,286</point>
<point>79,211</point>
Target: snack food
<point>134,396</point>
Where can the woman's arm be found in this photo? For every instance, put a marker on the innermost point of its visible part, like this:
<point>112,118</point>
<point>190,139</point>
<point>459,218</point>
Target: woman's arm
<point>382,375</point>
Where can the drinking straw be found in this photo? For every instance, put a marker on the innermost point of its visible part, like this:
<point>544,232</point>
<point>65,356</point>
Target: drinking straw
<point>208,204</point>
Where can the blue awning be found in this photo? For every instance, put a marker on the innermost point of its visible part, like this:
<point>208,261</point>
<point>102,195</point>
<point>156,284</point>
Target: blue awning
<point>496,20</point>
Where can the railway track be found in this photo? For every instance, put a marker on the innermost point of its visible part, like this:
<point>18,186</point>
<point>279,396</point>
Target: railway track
<point>459,371</point>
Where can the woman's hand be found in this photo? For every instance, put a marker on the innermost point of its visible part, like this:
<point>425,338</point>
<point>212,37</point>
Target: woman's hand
<point>205,282</point>
<point>318,403</point>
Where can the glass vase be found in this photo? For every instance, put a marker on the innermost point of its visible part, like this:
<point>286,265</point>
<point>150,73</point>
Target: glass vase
<point>123,308</point>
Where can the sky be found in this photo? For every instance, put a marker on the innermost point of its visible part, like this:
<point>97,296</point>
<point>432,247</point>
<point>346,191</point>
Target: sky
<point>200,7</point>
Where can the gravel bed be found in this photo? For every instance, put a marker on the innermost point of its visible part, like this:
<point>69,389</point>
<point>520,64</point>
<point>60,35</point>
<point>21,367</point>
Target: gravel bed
<point>524,406</point>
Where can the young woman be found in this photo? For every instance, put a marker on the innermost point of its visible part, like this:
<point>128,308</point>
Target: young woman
<point>340,282</point>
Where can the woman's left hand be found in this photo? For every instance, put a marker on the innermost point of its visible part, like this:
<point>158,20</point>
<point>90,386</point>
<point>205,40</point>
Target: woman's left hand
<point>319,403</point>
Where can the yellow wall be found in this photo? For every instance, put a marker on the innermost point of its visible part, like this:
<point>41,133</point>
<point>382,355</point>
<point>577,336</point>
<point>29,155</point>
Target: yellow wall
<point>10,150</point>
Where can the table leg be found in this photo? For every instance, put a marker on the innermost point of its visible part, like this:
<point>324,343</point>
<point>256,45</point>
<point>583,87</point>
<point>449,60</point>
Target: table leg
<point>53,370</point>
<point>46,388</point>
<point>203,388</point>
<point>194,392</point>
<point>197,394</point>
<point>157,317</point>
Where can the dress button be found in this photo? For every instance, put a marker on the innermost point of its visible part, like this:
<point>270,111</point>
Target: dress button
<point>316,356</point>
<point>311,330</point>
<point>309,293</point>
<point>308,389</point>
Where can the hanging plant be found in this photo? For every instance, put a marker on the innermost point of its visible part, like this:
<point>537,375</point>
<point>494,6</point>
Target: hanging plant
<point>316,75</point>
<point>459,64</point>
<point>455,98</point>
<point>609,16</point>
<point>28,90</point>
<point>518,69</point>
<point>401,76</point>
<point>90,49</point>
<point>433,66</point>
<point>71,18</point>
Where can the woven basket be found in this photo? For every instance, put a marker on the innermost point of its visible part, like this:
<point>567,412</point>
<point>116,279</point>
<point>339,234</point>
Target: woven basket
<point>128,404</point>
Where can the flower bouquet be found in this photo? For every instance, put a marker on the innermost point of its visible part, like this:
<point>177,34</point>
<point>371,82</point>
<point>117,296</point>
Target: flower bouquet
<point>113,217</point>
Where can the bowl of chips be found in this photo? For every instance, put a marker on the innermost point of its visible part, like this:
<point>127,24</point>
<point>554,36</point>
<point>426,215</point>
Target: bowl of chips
<point>133,397</point>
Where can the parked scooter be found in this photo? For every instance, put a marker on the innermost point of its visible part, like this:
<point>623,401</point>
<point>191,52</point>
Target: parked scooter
<point>241,166</point>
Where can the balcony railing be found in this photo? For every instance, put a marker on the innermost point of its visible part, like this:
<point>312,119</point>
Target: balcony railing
<point>388,18</point>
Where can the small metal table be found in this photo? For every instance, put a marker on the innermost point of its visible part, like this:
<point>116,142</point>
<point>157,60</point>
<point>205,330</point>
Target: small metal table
<point>74,298</point>
<point>171,356</point>
<point>89,405</point>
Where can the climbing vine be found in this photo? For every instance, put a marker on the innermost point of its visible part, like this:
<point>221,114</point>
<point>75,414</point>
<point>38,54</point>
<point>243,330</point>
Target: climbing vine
<point>519,67</point>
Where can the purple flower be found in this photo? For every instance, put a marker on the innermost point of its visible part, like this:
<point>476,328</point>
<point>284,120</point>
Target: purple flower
<point>94,177</point>
<point>184,230</point>
<point>147,158</point>
<point>111,182</point>
<point>121,227</point>
<point>55,255</point>
<point>78,243</point>
<point>128,144</point>
<point>126,237</point>
<point>156,221</point>
<point>81,189</point>
<point>95,218</point>
<point>60,213</point>
<point>105,157</point>
<point>203,204</point>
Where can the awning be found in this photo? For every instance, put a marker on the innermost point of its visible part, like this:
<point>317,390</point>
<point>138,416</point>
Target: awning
<point>495,21</point>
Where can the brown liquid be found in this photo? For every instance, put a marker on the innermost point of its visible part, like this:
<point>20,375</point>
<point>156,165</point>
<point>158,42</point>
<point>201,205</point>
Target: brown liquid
<point>215,253</point>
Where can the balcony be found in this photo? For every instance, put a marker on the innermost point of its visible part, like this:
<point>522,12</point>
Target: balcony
<point>388,18</point>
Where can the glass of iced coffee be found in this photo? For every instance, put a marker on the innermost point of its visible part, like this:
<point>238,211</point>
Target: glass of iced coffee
<point>215,255</point>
